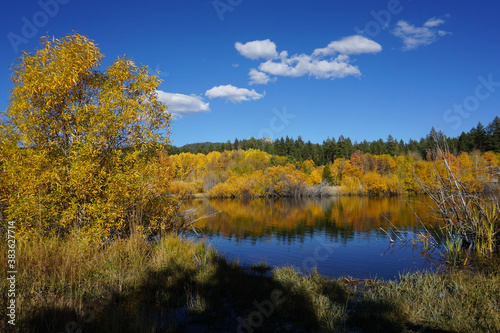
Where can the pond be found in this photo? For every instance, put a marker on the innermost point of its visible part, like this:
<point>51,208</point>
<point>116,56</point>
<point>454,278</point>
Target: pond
<point>339,236</point>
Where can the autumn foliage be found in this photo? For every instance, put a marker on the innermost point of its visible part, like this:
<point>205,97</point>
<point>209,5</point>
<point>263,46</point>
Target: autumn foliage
<point>254,173</point>
<point>79,145</point>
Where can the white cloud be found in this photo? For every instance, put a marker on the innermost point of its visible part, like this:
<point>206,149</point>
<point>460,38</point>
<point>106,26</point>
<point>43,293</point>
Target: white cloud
<point>433,22</point>
<point>257,49</point>
<point>257,77</point>
<point>350,45</point>
<point>300,65</point>
<point>330,62</point>
<point>180,105</point>
<point>233,94</point>
<point>414,37</point>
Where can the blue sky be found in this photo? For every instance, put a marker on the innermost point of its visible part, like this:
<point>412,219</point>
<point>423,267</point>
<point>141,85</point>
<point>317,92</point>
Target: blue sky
<point>318,69</point>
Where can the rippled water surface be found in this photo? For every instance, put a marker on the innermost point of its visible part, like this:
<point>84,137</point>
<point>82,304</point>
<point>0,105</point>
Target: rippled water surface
<point>341,236</point>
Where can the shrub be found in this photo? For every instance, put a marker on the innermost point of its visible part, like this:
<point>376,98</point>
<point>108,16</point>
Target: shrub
<point>374,183</point>
<point>182,189</point>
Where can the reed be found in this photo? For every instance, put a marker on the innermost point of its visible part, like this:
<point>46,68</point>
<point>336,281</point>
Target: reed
<point>465,202</point>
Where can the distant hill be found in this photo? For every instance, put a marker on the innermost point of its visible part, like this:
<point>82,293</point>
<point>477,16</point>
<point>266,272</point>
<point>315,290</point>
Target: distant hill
<point>191,146</point>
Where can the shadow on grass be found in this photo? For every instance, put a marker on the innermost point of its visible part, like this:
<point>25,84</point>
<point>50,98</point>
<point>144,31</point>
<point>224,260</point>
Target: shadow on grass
<point>225,297</point>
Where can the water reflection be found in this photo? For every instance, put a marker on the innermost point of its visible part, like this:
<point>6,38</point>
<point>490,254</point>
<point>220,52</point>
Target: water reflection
<point>340,236</point>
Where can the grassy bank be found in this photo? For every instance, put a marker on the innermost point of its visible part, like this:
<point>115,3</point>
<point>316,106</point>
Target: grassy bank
<point>181,286</point>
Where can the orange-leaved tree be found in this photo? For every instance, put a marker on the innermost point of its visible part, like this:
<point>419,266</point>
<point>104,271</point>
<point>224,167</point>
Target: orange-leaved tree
<point>79,145</point>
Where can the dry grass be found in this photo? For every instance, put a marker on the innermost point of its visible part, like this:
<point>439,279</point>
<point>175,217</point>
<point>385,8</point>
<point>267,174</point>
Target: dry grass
<point>62,278</point>
<point>460,301</point>
<point>178,285</point>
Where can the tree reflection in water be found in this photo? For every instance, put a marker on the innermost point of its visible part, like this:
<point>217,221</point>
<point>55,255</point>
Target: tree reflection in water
<point>288,231</point>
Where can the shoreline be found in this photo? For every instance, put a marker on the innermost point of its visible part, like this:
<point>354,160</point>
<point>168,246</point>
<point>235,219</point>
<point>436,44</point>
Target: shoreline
<point>333,191</point>
<point>181,285</point>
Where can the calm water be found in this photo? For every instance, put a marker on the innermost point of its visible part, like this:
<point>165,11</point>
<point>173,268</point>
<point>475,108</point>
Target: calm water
<point>340,236</point>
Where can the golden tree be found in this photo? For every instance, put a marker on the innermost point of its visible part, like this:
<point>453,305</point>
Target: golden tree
<point>79,144</point>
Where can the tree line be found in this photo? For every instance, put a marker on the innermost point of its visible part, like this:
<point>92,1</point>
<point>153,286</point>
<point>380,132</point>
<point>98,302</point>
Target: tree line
<point>297,150</point>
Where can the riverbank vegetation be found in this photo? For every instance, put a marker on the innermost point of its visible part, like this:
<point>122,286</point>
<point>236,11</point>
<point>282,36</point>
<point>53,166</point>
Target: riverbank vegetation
<point>254,173</point>
<point>469,208</point>
<point>375,168</point>
<point>177,285</point>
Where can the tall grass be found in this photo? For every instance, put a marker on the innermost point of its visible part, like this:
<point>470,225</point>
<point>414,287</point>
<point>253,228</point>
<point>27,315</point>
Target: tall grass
<point>458,301</point>
<point>176,285</point>
<point>59,280</point>
<point>467,202</point>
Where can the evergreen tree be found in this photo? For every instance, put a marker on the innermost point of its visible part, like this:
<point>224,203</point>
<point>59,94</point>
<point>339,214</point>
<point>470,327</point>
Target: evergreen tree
<point>493,141</point>
<point>401,147</point>
<point>329,150</point>
<point>391,146</point>
<point>425,147</point>
<point>299,150</point>
<point>377,147</point>
<point>364,147</point>
<point>484,139</point>
<point>210,147</point>
<point>280,147</point>
<point>413,146</point>
<point>349,148</point>
<point>268,148</point>
<point>252,143</point>
<point>317,156</point>
<point>219,147</point>
<point>327,174</point>
<point>465,142</point>
<point>479,137</point>
<point>341,147</point>
<point>288,146</point>
<point>308,151</point>
<point>452,145</point>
